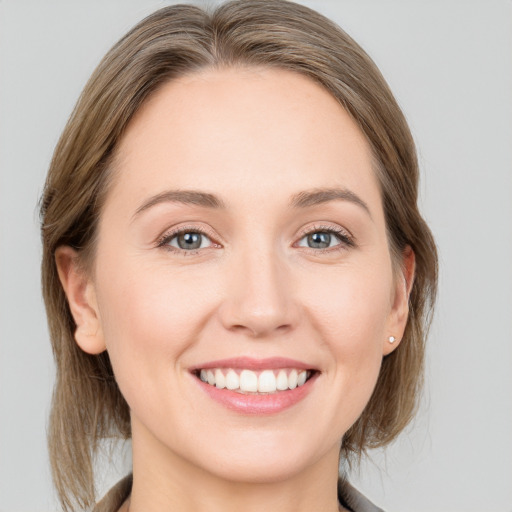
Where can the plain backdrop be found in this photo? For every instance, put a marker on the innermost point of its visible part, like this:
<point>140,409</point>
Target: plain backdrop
<point>449,64</point>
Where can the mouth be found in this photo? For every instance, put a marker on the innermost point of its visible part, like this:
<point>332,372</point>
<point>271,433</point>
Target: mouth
<point>246,381</point>
<point>256,386</point>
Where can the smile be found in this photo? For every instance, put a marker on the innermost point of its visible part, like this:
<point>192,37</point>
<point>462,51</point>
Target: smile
<point>248,381</point>
<point>251,386</point>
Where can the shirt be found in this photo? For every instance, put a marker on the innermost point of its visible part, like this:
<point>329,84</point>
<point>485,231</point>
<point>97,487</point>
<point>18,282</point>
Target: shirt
<point>348,496</point>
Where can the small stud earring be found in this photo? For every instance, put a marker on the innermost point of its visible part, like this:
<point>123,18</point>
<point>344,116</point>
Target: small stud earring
<point>392,339</point>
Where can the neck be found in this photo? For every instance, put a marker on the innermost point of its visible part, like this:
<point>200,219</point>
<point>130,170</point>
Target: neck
<point>164,481</point>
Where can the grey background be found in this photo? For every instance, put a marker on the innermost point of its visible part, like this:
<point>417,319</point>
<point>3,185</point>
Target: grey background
<point>449,63</point>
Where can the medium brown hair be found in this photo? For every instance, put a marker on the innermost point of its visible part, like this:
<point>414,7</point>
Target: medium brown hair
<point>87,404</point>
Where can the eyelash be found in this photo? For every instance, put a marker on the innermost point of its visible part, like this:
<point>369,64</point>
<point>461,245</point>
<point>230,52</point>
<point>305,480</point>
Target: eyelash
<point>164,240</point>
<point>346,240</point>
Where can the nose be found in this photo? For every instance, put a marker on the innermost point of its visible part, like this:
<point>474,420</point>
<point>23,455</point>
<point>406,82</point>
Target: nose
<point>259,296</point>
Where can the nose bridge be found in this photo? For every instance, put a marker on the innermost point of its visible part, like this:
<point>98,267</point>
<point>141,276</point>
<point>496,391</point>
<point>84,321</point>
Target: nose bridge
<point>259,297</point>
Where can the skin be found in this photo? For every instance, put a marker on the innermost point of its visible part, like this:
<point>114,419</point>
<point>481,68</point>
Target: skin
<point>254,138</point>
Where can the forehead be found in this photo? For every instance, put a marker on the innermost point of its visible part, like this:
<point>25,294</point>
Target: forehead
<point>230,131</point>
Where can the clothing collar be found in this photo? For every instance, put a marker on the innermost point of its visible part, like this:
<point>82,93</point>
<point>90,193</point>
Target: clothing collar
<point>348,496</point>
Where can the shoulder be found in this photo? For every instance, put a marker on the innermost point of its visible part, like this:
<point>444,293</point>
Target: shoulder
<point>352,499</point>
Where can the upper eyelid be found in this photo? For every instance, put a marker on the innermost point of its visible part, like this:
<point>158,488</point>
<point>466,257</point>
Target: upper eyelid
<point>337,229</point>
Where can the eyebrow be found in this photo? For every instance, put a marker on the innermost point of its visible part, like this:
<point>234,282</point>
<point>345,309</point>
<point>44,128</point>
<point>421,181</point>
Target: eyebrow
<point>304,199</point>
<point>194,197</point>
<point>318,196</point>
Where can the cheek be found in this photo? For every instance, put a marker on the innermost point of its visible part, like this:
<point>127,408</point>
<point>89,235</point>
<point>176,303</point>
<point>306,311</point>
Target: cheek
<point>353,306</point>
<point>351,315</point>
<point>150,316</point>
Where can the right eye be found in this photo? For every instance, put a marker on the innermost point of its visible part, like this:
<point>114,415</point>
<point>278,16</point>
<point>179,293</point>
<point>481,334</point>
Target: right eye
<point>186,240</point>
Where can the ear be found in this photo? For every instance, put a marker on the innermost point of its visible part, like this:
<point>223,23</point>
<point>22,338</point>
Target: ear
<point>400,309</point>
<point>81,295</point>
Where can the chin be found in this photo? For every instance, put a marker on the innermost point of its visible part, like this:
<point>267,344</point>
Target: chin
<point>263,457</point>
<point>260,470</point>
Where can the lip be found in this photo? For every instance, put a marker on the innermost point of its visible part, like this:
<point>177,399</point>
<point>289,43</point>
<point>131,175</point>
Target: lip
<point>249,404</point>
<point>249,363</point>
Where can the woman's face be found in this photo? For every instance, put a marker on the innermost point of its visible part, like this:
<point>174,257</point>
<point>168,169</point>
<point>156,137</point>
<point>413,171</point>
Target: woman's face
<point>244,236</point>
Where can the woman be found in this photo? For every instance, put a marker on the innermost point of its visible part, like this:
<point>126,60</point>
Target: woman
<point>235,270</point>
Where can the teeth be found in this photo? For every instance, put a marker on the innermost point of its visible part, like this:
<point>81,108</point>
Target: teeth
<point>232,380</point>
<point>248,381</point>
<point>267,382</point>
<point>282,380</point>
<point>292,379</point>
<point>220,380</point>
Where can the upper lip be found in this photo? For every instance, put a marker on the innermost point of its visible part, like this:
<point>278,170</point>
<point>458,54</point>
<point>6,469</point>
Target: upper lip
<point>250,363</point>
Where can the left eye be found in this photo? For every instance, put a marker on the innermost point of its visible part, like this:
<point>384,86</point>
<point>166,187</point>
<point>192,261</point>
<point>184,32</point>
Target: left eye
<point>188,240</point>
<point>319,240</point>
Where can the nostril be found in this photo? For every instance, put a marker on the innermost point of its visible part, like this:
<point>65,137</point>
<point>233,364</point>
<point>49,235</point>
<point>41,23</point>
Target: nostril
<point>260,327</point>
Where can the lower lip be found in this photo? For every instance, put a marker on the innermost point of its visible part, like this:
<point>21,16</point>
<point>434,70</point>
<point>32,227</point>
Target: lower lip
<point>258,404</point>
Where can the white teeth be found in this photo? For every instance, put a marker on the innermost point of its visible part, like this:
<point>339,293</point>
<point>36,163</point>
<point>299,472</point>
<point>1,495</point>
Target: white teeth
<point>282,381</point>
<point>292,379</point>
<point>267,382</point>
<point>220,380</point>
<point>248,381</point>
<point>232,380</point>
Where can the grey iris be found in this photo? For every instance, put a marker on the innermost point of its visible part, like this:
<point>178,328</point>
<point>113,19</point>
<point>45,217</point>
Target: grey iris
<point>189,240</point>
<point>319,240</point>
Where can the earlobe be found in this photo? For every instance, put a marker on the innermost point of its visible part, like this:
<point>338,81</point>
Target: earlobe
<point>81,295</point>
<point>400,309</point>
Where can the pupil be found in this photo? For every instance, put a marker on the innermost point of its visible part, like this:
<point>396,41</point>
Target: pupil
<point>319,240</point>
<point>189,241</point>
